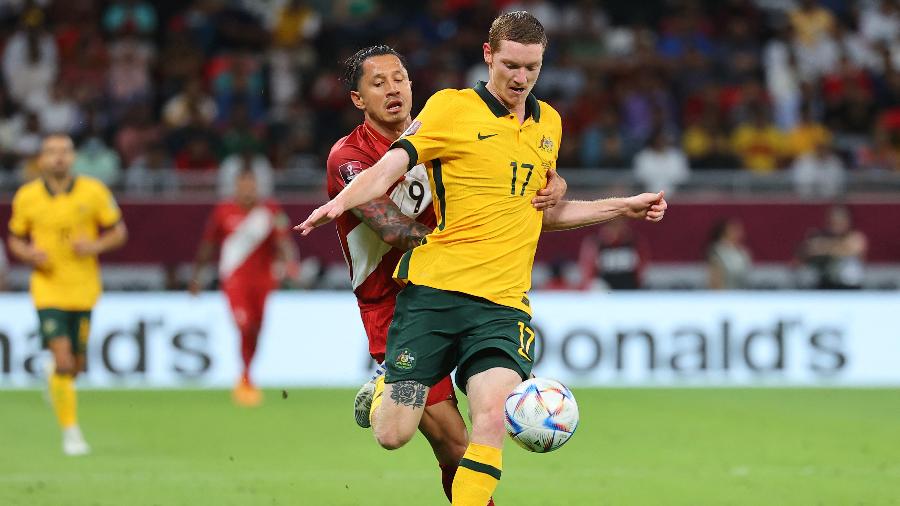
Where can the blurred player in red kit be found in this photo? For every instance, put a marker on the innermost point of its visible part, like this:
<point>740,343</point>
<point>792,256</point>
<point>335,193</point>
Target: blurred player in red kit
<point>251,234</point>
<point>375,235</point>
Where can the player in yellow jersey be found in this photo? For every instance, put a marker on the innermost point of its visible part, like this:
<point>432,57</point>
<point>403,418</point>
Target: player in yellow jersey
<point>60,223</point>
<point>465,304</point>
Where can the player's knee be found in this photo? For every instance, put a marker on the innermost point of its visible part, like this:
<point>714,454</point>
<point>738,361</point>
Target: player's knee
<point>489,421</point>
<point>65,365</point>
<point>392,438</point>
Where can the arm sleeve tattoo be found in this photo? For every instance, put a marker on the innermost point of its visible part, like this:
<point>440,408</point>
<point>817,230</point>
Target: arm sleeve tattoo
<point>395,228</point>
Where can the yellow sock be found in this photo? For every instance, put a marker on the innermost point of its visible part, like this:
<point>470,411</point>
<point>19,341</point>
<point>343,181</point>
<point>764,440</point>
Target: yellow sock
<point>62,396</point>
<point>477,476</point>
<point>376,396</point>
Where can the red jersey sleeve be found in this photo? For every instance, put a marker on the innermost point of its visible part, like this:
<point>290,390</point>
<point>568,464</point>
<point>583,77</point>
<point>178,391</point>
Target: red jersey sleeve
<point>281,222</point>
<point>214,232</point>
<point>342,168</point>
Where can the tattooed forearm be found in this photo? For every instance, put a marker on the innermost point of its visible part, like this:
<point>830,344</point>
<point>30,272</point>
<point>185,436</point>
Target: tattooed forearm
<point>409,393</point>
<point>395,228</point>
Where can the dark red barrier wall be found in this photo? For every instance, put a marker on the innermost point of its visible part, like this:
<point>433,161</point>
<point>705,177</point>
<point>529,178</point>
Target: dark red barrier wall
<point>169,232</point>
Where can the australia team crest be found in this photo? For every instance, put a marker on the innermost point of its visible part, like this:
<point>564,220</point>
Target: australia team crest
<point>546,144</point>
<point>405,361</point>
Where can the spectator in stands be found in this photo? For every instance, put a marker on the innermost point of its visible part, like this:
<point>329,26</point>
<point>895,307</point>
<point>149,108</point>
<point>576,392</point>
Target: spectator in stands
<point>84,61</point>
<point>602,142</point>
<point>613,259</point>
<point>728,259</point>
<point>660,165</point>
<point>820,173</point>
<point>851,118</point>
<point>758,143</point>
<point>836,252</point>
<point>196,155</point>
<point>183,62</point>
<point>881,154</point>
<point>11,125</point>
<point>879,22</point>
<point>126,17</point>
<point>246,160</point>
<point>192,101</point>
<point>706,144</point>
<point>807,135</point>
<point>646,106</point>
<point>813,26</point>
<point>58,112</point>
<point>292,55</point>
<point>783,78</point>
<point>96,159</point>
<point>137,133</point>
<point>296,21</point>
<point>739,54</point>
<point>238,80</point>
<point>197,127</point>
<point>240,133</point>
<point>299,152</point>
<point>152,172</point>
<point>30,62</point>
<point>27,142</point>
<point>129,72</point>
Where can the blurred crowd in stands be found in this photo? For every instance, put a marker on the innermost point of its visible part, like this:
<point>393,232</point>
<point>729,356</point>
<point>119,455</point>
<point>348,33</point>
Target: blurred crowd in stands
<point>661,87</point>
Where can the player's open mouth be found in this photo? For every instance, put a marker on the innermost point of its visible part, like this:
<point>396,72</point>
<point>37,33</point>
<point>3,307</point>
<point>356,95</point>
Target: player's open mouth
<point>517,90</point>
<point>394,106</point>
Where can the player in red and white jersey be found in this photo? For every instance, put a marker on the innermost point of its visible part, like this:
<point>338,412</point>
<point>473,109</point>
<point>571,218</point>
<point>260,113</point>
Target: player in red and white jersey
<point>251,235</point>
<point>375,235</point>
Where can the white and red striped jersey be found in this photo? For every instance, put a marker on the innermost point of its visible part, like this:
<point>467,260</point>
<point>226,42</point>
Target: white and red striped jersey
<point>248,240</point>
<point>371,260</point>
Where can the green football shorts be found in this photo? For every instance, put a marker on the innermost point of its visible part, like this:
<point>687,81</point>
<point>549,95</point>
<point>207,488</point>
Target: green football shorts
<point>75,325</point>
<point>434,331</point>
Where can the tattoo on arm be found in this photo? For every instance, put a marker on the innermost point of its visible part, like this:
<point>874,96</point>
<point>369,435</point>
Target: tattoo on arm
<point>395,228</point>
<point>409,393</point>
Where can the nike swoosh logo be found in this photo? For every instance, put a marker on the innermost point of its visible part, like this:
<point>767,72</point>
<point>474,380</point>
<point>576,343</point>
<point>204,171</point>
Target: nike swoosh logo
<point>483,137</point>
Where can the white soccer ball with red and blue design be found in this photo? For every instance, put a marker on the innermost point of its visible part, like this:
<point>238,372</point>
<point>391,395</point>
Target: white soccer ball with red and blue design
<point>541,415</point>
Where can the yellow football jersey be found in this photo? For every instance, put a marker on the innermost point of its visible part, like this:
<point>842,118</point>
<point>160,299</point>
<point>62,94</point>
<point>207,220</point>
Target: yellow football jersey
<point>52,222</point>
<point>484,168</point>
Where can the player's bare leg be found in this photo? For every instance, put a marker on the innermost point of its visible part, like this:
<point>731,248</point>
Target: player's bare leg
<point>396,414</point>
<point>446,432</point>
<point>248,319</point>
<point>62,394</point>
<point>479,470</point>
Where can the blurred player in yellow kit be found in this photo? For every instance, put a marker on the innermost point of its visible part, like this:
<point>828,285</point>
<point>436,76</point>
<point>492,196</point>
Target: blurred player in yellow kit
<point>60,223</point>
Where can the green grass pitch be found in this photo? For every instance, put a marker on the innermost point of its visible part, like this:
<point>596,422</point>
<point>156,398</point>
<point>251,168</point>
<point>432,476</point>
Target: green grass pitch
<point>633,447</point>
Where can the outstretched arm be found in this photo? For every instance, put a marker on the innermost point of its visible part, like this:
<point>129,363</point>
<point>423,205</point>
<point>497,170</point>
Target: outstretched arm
<point>574,214</point>
<point>369,184</point>
<point>204,255</point>
<point>395,228</point>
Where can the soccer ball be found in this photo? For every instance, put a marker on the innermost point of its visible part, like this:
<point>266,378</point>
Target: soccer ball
<point>541,415</point>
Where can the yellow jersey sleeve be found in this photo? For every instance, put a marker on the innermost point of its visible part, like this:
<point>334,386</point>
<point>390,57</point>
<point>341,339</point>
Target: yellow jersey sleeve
<point>107,210</point>
<point>429,135</point>
<point>19,223</point>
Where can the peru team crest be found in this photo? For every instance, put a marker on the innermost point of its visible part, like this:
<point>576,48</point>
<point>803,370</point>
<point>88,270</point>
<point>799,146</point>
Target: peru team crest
<point>349,170</point>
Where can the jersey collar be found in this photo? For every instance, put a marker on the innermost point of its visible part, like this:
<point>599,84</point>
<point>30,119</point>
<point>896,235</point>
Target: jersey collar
<point>375,134</point>
<point>532,108</point>
<point>68,189</point>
